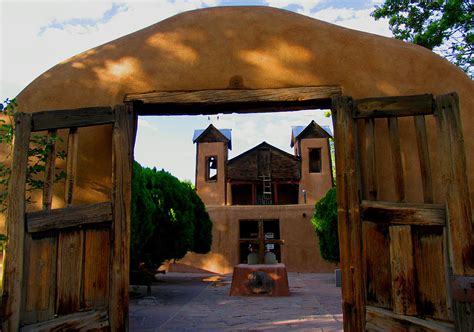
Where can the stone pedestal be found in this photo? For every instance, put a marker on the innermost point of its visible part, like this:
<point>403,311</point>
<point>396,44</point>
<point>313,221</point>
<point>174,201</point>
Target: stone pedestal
<point>260,280</point>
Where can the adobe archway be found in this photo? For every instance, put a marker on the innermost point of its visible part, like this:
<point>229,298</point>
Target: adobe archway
<point>212,49</point>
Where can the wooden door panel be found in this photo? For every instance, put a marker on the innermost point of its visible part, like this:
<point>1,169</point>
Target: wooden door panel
<point>430,254</point>
<point>377,260</point>
<point>69,270</point>
<point>412,251</point>
<point>69,279</point>
<point>40,279</point>
<point>96,276</point>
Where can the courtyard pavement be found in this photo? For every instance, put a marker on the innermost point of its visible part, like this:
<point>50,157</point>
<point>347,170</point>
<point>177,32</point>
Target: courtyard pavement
<point>200,302</point>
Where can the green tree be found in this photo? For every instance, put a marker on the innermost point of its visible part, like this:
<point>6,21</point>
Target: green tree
<point>445,27</point>
<point>325,225</point>
<point>168,218</point>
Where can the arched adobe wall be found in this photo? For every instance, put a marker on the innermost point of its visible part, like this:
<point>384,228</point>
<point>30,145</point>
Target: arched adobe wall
<point>261,46</point>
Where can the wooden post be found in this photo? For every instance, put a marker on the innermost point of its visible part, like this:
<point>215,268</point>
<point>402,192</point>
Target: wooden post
<point>350,228</point>
<point>424,156</point>
<point>16,223</point>
<point>369,147</point>
<point>455,182</point>
<point>395,152</point>
<point>49,173</point>
<point>71,168</point>
<point>122,157</point>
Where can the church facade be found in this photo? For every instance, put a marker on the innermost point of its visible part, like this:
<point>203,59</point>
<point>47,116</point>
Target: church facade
<point>262,200</point>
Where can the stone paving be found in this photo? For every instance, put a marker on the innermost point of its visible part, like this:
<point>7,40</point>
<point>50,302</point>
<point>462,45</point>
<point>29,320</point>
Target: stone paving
<point>197,302</point>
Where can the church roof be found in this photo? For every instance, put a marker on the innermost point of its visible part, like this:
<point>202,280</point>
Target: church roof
<point>261,159</point>
<point>219,135</point>
<point>312,130</point>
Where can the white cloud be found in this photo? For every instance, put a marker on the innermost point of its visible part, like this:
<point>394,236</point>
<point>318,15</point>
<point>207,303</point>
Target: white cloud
<point>359,19</point>
<point>26,52</point>
<point>71,27</point>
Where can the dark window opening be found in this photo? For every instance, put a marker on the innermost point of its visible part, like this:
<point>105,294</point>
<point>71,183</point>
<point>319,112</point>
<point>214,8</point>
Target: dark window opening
<point>315,160</point>
<point>287,193</point>
<point>242,194</point>
<point>211,168</point>
<point>257,233</point>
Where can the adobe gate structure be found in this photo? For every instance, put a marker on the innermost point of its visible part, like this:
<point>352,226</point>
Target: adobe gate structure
<point>404,168</point>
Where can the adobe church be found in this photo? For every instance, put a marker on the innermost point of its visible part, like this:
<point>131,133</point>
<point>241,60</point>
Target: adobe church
<point>262,198</point>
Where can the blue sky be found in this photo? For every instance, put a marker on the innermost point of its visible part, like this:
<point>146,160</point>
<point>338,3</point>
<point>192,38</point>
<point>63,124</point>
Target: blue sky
<point>36,35</point>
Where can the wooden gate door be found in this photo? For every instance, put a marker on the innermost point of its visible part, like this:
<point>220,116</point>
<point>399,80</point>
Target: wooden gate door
<point>67,268</point>
<point>407,263</point>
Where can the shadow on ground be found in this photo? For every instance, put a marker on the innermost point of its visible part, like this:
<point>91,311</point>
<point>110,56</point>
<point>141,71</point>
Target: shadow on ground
<point>200,302</point>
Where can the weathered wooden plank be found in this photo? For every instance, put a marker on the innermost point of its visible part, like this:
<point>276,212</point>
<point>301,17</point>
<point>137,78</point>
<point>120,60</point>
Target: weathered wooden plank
<point>80,117</point>
<point>240,96</point>
<point>403,270</point>
<point>384,320</point>
<point>71,166</point>
<point>122,177</point>
<point>15,223</point>
<point>424,157</point>
<point>69,217</point>
<point>349,223</point>
<point>39,279</point>
<point>403,213</point>
<point>455,182</point>
<point>49,173</point>
<point>382,107</point>
<point>69,275</point>
<point>377,258</point>
<point>96,269</point>
<point>396,156</point>
<point>81,321</point>
<point>431,271</point>
<point>370,187</point>
<point>462,288</point>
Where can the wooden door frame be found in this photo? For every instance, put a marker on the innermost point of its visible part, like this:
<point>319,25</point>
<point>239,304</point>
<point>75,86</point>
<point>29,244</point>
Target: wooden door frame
<point>124,119</point>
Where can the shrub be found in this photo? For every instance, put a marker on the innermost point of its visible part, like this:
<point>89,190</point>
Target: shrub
<point>325,225</point>
<point>168,218</point>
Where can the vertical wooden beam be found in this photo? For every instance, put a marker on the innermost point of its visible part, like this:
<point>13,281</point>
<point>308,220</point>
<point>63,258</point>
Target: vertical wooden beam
<point>16,223</point>
<point>70,260</point>
<point>424,157</point>
<point>455,182</point>
<point>350,226</point>
<point>49,173</point>
<point>369,146</point>
<point>403,270</point>
<point>395,152</point>
<point>71,168</point>
<point>122,157</point>
<point>261,242</point>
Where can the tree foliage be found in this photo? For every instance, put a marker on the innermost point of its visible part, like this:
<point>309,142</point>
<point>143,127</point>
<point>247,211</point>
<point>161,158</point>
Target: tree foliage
<point>325,225</point>
<point>444,26</point>
<point>168,218</point>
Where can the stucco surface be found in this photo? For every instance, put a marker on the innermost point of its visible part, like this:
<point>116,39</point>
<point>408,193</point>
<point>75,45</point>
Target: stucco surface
<point>300,252</point>
<point>315,184</point>
<point>263,48</point>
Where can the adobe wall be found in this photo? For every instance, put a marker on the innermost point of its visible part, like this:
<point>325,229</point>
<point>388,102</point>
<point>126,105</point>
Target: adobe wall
<point>315,184</point>
<point>300,252</point>
<point>262,47</point>
<point>211,192</point>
